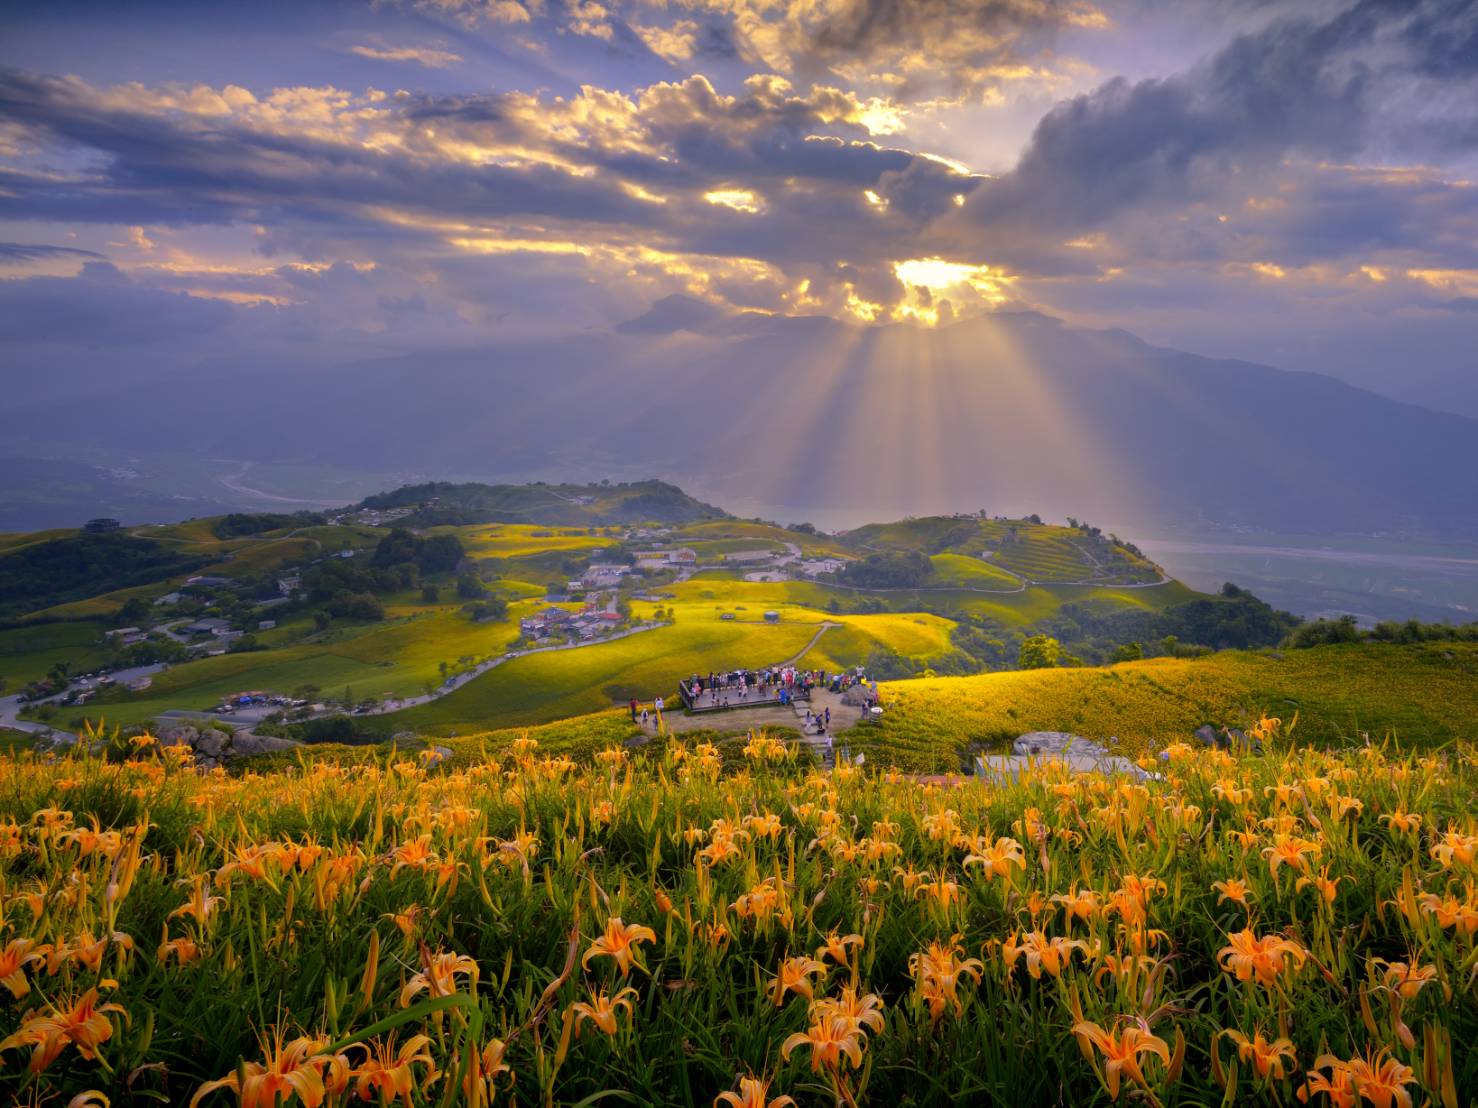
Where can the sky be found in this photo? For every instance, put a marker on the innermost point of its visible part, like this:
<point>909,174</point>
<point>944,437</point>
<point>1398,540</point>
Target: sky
<point>271,184</point>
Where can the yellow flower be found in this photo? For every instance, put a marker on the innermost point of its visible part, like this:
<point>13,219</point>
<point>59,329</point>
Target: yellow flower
<point>602,1009</point>
<point>1267,1058</point>
<point>1121,1051</point>
<point>618,943</point>
<point>830,1042</point>
<point>83,1023</point>
<point>795,976</point>
<point>752,1093</point>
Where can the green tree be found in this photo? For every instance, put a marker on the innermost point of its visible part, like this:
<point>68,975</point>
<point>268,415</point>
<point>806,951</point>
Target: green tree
<point>1127,652</point>
<point>430,593</point>
<point>1039,652</point>
<point>469,587</point>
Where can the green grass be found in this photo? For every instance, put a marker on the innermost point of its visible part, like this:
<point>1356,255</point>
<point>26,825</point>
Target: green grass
<point>394,658</point>
<point>26,653</point>
<point>1424,695</point>
<point>539,688</point>
<point>971,573</point>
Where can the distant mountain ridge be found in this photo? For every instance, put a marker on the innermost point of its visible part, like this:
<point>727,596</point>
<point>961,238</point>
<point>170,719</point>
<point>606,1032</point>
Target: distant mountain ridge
<point>792,417</point>
<point>600,505</point>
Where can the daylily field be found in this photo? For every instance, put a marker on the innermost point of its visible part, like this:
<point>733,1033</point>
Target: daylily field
<point>663,927</point>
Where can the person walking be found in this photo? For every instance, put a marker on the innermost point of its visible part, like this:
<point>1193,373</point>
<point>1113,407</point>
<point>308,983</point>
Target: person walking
<point>828,715</point>
<point>644,717</point>
<point>633,709</point>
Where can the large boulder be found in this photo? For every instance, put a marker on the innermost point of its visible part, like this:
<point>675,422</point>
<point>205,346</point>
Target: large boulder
<point>857,696</point>
<point>210,743</point>
<point>180,735</point>
<point>245,744</point>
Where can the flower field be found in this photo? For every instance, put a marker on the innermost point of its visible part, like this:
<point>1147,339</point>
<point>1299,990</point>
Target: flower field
<point>668,926</point>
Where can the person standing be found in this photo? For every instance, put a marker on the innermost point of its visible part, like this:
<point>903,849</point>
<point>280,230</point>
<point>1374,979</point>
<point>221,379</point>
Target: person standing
<point>828,716</point>
<point>633,709</point>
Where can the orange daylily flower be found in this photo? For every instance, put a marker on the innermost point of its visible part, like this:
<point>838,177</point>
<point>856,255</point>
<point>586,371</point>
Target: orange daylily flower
<point>830,1042</point>
<point>618,942</point>
<point>794,975</point>
<point>438,976</point>
<point>752,1093</point>
<point>1378,1078</point>
<point>1041,953</point>
<point>1266,1057</point>
<point>1264,960</point>
<point>17,955</point>
<point>998,858</point>
<point>863,1012</point>
<point>1233,888</point>
<point>938,972</point>
<point>835,947</point>
<point>1121,1051</point>
<point>292,1070</point>
<point>602,1009</point>
<point>388,1073</point>
<point>84,1023</point>
<point>1407,979</point>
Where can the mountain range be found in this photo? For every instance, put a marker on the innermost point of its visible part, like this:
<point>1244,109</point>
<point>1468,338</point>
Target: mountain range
<point>794,417</point>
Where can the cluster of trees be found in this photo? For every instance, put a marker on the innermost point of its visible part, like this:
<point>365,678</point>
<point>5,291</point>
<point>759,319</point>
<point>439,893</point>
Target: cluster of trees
<point>433,554</point>
<point>1330,632</point>
<point>81,566</point>
<point>892,569</point>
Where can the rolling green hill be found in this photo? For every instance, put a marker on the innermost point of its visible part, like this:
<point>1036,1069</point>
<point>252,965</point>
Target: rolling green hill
<point>1424,695</point>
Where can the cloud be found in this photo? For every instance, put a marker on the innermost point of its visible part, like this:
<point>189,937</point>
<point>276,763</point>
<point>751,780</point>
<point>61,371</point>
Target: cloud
<point>28,252</point>
<point>420,55</point>
<point>1298,88</point>
<point>99,307</point>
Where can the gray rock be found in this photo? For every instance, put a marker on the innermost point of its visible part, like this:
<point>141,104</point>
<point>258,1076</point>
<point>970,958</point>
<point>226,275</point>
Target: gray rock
<point>435,755</point>
<point>244,744</point>
<point>178,736</point>
<point>210,743</point>
<point>1057,744</point>
<point>1210,736</point>
<point>637,741</point>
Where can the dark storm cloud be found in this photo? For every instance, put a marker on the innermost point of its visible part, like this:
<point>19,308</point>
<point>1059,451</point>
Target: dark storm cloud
<point>1313,89</point>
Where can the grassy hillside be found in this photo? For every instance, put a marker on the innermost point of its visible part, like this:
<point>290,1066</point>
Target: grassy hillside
<point>1426,695</point>
<point>1025,550</point>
